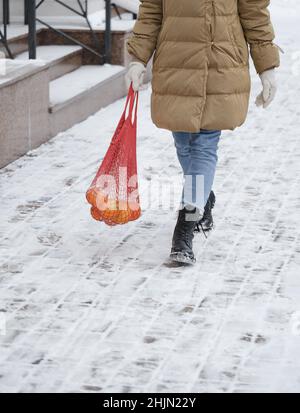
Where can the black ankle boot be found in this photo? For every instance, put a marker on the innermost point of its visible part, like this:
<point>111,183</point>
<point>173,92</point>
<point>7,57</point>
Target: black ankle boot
<point>182,244</point>
<point>206,223</point>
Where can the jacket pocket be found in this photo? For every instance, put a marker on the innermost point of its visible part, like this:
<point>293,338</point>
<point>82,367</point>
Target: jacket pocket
<point>234,44</point>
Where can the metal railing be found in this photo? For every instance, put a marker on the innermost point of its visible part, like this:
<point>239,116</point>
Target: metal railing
<point>103,53</point>
<point>3,33</point>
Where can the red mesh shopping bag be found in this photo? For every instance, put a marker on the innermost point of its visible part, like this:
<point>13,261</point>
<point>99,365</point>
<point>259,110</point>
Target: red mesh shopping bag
<point>113,193</point>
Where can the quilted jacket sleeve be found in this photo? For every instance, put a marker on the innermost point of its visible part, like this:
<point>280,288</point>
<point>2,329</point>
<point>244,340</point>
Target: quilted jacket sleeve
<point>259,33</point>
<point>142,43</point>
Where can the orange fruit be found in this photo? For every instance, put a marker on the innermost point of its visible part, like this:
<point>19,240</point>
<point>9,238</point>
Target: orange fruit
<point>122,217</point>
<point>105,204</point>
<point>134,215</point>
<point>111,211</point>
<point>122,205</point>
<point>96,214</point>
<point>91,196</point>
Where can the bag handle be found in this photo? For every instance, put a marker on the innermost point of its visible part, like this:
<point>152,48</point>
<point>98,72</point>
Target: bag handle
<point>132,99</point>
<point>134,104</point>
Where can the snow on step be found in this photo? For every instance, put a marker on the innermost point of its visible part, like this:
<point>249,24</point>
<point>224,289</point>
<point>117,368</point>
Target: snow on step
<point>50,53</point>
<point>130,5</point>
<point>79,81</point>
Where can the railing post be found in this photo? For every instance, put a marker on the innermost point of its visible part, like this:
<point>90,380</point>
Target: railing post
<point>26,12</point>
<point>31,9</point>
<point>3,36</point>
<point>5,16</point>
<point>107,40</point>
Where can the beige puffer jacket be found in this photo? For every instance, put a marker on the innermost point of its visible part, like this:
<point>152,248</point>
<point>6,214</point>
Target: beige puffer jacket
<point>201,62</point>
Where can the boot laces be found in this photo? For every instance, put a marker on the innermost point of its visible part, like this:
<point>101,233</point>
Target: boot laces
<point>199,228</point>
<point>207,214</point>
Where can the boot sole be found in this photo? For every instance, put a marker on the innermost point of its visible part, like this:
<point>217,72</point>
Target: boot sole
<point>182,259</point>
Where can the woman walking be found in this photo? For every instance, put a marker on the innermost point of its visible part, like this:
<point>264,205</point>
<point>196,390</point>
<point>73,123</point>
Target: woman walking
<point>201,86</point>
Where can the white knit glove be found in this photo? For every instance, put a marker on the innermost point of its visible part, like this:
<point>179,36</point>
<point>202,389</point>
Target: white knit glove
<point>269,83</point>
<point>135,74</point>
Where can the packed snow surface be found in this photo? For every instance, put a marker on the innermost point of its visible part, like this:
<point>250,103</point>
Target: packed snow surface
<point>87,308</point>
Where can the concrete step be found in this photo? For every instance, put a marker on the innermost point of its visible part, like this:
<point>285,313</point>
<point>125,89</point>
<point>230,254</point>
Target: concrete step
<point>59,59</point>
<point>17,37</point>
<point>81,93</point>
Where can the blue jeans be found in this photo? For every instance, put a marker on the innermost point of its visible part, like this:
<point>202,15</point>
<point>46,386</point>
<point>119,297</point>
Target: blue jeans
<point>197,154</point>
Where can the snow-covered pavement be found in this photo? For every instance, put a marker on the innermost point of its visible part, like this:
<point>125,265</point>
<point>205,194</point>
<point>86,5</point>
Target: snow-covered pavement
<point>86,308</point>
